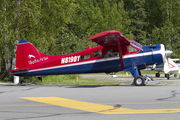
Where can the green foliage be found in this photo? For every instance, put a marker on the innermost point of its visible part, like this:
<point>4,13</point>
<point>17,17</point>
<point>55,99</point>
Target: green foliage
<point>98,16</point>
<point>166,26</point>
<point>138,16</point>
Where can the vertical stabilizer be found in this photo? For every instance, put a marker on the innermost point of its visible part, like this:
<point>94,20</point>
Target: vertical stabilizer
<point>27,55</point>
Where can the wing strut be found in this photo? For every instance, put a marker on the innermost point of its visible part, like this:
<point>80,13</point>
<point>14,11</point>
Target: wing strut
<point>120,53</point>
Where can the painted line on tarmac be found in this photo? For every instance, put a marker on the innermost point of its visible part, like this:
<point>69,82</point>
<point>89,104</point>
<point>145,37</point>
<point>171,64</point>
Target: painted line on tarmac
<point>142,103</point>
<point>94,107</point>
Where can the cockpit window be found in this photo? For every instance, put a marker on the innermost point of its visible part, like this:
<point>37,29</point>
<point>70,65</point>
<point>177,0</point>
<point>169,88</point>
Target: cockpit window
<point>136,44</point>
<point>131,49</point>
<point>112,53</point>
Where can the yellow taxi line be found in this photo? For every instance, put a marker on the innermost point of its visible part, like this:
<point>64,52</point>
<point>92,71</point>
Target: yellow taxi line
<point>94,107</point>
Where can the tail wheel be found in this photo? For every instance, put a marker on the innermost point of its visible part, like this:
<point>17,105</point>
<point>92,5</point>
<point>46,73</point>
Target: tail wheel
<point>139,81</point>
<point>40,78</point>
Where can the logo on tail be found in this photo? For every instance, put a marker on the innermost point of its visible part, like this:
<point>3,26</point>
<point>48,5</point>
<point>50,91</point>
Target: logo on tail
<point>31,56</point>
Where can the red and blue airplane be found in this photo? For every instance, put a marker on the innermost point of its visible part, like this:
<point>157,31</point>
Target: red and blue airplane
<point>114,53</point>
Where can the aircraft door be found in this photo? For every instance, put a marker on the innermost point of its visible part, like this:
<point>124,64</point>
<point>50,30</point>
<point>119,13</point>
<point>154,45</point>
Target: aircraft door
<point>111,60</point>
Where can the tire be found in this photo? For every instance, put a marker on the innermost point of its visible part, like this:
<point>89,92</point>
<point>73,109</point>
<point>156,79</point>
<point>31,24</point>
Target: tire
<point>157,75</point>
<point>175,75</point>
<point>139,81</point>
<point>167,76</point>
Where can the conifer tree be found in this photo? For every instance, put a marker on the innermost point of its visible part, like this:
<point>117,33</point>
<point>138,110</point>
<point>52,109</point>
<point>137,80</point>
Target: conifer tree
<point>138,16</point>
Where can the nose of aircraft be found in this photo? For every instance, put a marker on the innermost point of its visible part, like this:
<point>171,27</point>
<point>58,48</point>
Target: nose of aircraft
<point>168,52</point>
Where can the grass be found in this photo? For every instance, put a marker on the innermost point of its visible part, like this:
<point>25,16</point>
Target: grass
<point>123,72</point>
<point>68,80</point>
<point>72,79</point>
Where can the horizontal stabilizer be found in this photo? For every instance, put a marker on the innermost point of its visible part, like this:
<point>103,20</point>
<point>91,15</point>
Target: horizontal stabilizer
<point>19,70</point>
<point>170,67</point>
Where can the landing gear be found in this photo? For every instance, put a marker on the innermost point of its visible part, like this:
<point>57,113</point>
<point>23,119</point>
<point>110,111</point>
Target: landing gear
<point>175,75</point>
<point>142,80</point>
<point>139,81</point>
<point>149,78</point>
<point>167,76</point>
<point>40,78</point>
<point>157,75</point>
<point>24,81</point>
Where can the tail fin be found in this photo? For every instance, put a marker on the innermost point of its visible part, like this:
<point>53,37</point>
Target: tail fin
<point>27,55</point>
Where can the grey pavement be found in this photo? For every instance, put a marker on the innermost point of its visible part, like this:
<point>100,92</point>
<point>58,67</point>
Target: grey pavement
<point>153,98</point>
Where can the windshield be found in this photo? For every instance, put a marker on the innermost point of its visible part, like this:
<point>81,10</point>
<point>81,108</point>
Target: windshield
<point>136,44</point>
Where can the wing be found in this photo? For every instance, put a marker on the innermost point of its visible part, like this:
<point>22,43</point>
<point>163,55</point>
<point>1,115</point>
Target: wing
<point>111,38</point>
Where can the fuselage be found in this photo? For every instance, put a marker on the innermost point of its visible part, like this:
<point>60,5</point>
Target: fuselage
<point>94,60</point>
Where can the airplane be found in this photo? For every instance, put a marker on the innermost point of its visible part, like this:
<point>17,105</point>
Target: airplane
<point>114,53</point>
<point>169,68</point>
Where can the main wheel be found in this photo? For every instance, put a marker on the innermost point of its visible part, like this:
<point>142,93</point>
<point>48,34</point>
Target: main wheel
<point>157,75</point>
<point>175,75</point>
<point>167,76</point>
<point>139,81</point>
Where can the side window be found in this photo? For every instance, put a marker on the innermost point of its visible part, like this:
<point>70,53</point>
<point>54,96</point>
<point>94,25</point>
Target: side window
<point>112,53</point>
<point>86,56</point>
<point>97,53</point>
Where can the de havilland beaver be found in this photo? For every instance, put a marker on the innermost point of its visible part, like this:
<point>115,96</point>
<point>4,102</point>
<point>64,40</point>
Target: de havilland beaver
<point>114,53</point>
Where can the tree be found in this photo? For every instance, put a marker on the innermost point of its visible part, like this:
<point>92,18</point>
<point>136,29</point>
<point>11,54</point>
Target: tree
<point>94,16</point>
<point>168,32</point>
<point>138,16</point>
<point>40,22</point>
